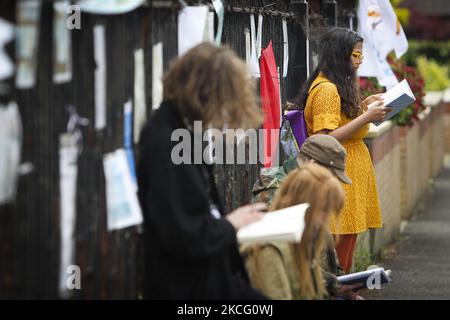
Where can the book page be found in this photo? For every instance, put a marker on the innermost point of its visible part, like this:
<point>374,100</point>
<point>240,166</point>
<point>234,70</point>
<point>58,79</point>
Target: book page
<point>397,91</point>
<point>397,98</point>
<point>282,225</point>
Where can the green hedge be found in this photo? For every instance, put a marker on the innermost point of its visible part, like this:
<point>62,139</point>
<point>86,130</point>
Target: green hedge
<point>435,76</point>
<point>435,50</point>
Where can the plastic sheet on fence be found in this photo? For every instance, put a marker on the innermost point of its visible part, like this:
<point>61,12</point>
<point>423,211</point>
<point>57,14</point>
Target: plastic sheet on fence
<point>157,74</point>
<point>10,145</point>
<point>109,6</point>
<point>62,64</point>
<point>121,198</point>
<point>140,109</point>
<point>191,27</point>
<point>255,46</point>
<point>6,35</point>
<point>68,171</point>
<point>220,11</point>
<point>285,48</point>
<point>100,77</point>
<point>28,17</point>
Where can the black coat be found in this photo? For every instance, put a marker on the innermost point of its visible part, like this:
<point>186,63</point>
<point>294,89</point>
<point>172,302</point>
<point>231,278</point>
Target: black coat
<point>189,253</point>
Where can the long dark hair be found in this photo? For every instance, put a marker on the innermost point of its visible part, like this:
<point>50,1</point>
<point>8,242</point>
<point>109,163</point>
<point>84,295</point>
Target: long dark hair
<point>336,47</point>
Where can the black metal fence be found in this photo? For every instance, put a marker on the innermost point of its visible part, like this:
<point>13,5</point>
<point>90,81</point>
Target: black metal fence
<point>110,262</point>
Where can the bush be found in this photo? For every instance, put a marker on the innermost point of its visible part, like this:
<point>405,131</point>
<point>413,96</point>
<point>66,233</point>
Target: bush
<point>417,85</point>
<point>436,77</point>
<point>436,50</point>
<point>402,71</point>
<point>362,259</point>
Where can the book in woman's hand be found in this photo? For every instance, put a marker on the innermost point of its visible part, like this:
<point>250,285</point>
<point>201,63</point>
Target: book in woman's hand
<point>397,98</point>
<point>285,225</point>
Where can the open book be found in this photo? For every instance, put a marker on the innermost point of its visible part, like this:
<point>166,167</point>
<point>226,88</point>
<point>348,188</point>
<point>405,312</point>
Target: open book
<point>371,279</point>
<point>398,98</point>
<point>285,225</point>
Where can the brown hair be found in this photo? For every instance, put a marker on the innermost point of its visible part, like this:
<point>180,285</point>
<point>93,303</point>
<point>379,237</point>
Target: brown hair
<point>317,186</point>
<point>211,84</point>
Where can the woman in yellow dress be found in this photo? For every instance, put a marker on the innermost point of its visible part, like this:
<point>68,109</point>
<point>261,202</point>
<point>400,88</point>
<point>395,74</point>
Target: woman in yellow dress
<point>333,106</point>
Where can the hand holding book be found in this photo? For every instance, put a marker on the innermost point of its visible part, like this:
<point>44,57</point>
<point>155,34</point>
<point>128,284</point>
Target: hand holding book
<point>377,111</point>
<point>397,99</point>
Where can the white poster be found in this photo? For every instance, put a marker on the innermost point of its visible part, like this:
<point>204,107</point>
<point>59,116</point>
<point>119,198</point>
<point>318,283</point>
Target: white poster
<point>68,169</point>
<point>62,43</point>
<point>109,6</point>
<point>157,75</point>
<point>10,146</point>
<point>121,198</point>
<point>28,16</point>
<point>191,27</point>
<point>100,77</point>
<point>140,113</point>
<point>6,35</point>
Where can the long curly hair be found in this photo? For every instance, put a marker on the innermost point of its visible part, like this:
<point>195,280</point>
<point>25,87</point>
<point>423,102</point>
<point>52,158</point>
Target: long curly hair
<point>211,84</point>
<point>335,63</point>
<point>317,186</point>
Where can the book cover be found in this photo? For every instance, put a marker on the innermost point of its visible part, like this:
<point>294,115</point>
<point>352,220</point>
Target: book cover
<point>370,278</point>
<point>398,98</point>
<point>285,225</point>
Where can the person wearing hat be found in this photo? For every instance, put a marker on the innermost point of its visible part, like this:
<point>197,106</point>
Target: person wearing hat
<point>326,151</point>
<point>267,271</point>
<point>308,269</point>
<point>320,148</point>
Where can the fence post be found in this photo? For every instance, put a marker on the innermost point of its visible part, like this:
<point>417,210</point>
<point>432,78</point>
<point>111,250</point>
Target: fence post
<point>300,52</point>
<point>330,12</point>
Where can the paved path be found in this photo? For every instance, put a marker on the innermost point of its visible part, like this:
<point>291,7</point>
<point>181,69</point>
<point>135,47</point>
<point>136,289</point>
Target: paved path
<point>420,261</point>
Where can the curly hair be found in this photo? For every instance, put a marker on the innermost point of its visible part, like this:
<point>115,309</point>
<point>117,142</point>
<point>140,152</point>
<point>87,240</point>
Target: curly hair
<point>211,84</point>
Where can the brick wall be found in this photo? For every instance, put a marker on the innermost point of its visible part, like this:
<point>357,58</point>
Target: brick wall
<point>410,160</point>
<point>385,152</point>
<point>446,120</point>
<point>437,139</point>
<point>426,154</point>
<point>405,159</point>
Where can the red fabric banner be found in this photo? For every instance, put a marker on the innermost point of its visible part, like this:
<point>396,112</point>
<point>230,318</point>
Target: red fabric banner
<point>270,100</point>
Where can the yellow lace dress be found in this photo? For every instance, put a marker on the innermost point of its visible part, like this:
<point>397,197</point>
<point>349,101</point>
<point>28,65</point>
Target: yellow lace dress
<point>362,209</point>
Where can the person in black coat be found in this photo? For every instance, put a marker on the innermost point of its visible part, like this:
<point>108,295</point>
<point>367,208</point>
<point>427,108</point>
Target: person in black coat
<point>191,250</point>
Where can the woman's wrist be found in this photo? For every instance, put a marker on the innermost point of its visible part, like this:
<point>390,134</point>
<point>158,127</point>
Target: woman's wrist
<point>365,118</point>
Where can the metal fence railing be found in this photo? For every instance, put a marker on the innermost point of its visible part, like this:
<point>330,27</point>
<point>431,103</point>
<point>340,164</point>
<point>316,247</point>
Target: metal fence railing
<point>110,262</point>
